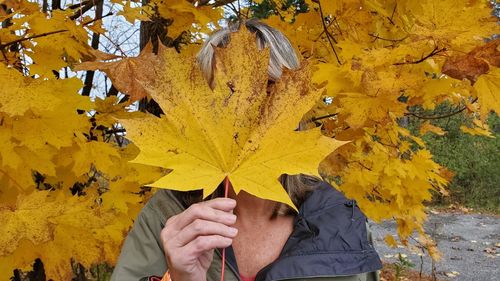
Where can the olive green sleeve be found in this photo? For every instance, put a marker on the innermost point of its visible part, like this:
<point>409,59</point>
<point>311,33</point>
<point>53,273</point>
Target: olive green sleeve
<point>142,254</point>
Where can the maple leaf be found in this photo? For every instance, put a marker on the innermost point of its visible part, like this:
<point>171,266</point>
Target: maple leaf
<point>240,129</point>
<point>428,127</point>
<point>128,74</point>
<point>478,128</point>
<point>23,93</point>
<point>54,228</point>
<point>456,23</point>
<point>487,88</point>
<point>361,108</point>
<point>109,109</point>
<point>475,63</point>
<point>187,15</point>
<point>131,13</point>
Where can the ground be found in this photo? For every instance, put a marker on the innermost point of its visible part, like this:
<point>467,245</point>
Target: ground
<point>469,243</point>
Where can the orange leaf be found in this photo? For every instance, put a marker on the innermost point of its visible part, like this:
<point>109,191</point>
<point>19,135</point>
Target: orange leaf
<point>129,75</point>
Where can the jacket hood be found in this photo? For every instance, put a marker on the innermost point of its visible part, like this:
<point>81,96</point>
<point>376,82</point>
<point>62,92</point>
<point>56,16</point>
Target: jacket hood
<point>329,239</point>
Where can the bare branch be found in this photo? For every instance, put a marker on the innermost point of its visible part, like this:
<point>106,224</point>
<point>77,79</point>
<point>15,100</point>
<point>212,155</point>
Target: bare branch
<point>434,52</point>
<point>434,117</point>
<point>386,39</point>
<point>392,15</point>
<point>2,46</point>
<point>329,36</point>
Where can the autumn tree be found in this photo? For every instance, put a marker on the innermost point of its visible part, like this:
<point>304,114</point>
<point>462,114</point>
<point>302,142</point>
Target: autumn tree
<point>71,78</point>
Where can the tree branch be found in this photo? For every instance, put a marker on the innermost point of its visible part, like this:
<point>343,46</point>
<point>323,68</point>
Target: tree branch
<point>85,8</point>
<point>323,117</point>
<point>431,54</point>
<point>89,76</point>
<point>386,39</point>
<point>329,36</point>
<point>434,117</point>
<point>392,15</point>
<point>2,46</point>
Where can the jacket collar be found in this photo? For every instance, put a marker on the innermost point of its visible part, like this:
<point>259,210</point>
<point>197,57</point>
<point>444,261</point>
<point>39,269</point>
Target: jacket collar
<point>329,239</point>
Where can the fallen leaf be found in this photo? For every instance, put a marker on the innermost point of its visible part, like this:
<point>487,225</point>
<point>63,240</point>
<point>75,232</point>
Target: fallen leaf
<point>452,274</point>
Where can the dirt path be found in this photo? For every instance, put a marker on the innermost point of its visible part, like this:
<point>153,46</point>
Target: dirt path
<point>469,243</point>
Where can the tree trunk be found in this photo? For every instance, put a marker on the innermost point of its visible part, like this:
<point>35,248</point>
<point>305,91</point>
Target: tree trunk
<point>89,77</point>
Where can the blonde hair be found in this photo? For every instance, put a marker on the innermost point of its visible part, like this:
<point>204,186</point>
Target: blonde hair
<point>298,188</point>
<point>282,52</point>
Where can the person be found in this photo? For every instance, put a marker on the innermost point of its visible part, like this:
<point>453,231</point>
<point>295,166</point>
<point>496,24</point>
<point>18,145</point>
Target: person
<point>182,235</point>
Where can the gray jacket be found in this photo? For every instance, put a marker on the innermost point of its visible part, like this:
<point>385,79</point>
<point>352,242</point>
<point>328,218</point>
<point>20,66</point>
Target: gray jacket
<point>330,241</point>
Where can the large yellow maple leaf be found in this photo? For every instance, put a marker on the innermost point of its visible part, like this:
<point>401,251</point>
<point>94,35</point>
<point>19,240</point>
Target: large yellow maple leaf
<point>244,128</point>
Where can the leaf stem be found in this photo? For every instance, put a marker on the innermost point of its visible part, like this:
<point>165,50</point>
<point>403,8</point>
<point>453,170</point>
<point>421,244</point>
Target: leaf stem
<point>226,192</point>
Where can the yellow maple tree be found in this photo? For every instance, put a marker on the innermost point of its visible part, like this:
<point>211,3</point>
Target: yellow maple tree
<point>376,64</point>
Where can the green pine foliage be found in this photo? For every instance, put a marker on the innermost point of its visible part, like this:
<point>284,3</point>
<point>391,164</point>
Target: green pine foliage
<point>475,160</point>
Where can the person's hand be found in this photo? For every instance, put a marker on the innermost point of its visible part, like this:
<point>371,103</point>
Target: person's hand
<point>189,238</point>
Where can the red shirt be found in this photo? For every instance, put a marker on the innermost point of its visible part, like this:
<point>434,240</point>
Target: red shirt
<point>243,278</point>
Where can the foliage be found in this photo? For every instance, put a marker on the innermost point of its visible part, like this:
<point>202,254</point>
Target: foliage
<point>472,159</point>
<point>68,188</point>
<point>401,266</point>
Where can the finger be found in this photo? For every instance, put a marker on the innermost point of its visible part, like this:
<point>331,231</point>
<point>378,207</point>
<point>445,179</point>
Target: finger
<point>217,210</point>
<point>201,227</point>
<point>206,243</point>
<point>223,204</point>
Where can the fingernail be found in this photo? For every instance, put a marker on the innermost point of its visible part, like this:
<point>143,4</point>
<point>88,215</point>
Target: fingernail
<point>233,230</point>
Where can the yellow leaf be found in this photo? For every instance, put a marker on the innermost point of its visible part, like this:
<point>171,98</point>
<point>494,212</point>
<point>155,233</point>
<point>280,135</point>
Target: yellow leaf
<point>67,41</point>
<point>21,93</point>
<point>428,127</point>
<point>131,13</point>
<point>389,240</point>
<point>453,22</point>
<point>338,80</point>
<point>488,88</point>
<point>8,157</point>
<point>236,130</point>
<point>361,108</point>
<point>55,228</point>
<point>109,110</point>
<point>476,131</point>
<point>98,154</point>
<point>188,17</point>
<point>96,27</point>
